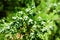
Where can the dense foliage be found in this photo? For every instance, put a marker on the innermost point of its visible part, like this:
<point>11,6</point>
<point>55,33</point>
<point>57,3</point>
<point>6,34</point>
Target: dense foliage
<point>29,20</point>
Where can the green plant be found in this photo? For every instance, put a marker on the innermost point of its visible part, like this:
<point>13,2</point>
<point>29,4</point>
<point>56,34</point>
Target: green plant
<point>33,21</point>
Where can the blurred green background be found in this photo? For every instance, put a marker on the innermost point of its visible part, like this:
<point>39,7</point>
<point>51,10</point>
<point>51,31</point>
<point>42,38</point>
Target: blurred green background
<point>29,19</point>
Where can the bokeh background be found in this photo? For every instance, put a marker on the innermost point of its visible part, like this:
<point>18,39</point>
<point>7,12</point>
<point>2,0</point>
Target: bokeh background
<point>29,19</point>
